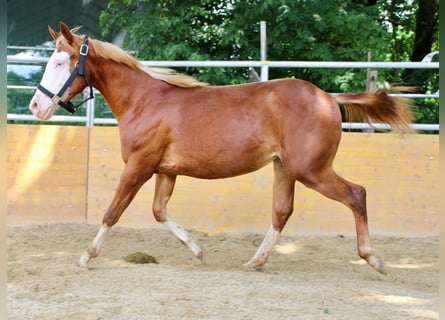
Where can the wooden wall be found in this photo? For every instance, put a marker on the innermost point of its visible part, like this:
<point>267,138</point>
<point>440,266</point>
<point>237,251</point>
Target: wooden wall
<point>47,173</point>
<point>54,176</point>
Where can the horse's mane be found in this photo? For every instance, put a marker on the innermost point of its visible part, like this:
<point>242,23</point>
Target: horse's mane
<point>110,51</point>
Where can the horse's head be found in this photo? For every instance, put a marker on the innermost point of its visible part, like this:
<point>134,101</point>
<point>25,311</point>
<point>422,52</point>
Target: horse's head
<point>64,76</point>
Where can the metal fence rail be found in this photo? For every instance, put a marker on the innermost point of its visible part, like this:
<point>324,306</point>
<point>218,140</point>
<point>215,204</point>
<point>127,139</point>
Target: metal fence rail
<point>258,64</point>
<point>91,120</point>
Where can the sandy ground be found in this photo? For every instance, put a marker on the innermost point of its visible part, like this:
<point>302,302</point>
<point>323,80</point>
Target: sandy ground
<point>305,278</point>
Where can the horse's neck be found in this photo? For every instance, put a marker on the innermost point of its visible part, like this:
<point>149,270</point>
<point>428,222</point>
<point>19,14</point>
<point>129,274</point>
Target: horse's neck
<point>118,84</point>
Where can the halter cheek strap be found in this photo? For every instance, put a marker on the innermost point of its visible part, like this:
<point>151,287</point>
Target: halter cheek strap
<point>78,70</point>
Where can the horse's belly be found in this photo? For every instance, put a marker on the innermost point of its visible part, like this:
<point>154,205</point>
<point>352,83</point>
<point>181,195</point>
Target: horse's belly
<point>217,167</point>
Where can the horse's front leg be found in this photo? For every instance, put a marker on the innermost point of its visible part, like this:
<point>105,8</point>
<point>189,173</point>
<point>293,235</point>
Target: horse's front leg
<point>163,191</point>
<point>93,250</point>
<point>132,179</point>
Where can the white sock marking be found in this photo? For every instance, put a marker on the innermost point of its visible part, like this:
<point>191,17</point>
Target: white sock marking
<point>263,252</point>
<point>183,236</point>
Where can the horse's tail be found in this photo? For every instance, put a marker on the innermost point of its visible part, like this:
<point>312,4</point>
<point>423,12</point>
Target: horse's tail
<point>377,107</point>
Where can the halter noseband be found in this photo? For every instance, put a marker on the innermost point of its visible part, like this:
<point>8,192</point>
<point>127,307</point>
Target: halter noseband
<point>79,70</point>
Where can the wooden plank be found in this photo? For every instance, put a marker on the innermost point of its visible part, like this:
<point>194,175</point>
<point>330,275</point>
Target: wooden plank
<point>47,171</point>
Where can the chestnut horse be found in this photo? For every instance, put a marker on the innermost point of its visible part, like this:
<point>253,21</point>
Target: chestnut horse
<point>170,124</point>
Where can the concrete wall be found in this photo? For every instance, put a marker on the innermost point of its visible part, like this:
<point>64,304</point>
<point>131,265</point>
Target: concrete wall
<point>55,176</point>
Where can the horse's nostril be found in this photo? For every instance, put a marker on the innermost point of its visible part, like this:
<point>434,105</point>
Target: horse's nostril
<point>33,106</point>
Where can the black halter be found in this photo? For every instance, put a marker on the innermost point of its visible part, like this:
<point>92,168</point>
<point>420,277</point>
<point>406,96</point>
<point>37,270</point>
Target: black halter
<point>79,70</point>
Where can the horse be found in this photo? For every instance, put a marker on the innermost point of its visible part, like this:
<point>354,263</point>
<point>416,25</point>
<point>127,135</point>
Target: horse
<point>171,124</point>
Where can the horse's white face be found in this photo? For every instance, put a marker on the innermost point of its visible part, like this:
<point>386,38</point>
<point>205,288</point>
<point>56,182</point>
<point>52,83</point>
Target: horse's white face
<point>57,71</point>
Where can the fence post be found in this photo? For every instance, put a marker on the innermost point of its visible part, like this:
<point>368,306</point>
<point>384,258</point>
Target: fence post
<point>90,106</point>
<point>371,83</point>
<point>263,48</point>
<point>371,77</point>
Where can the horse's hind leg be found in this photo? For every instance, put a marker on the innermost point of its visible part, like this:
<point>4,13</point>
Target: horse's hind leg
<point>163,191</point>
<point>283,201</point>
<point>354,197</point>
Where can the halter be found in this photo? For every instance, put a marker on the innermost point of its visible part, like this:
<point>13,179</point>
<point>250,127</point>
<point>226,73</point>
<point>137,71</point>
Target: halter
<point>79,70</point>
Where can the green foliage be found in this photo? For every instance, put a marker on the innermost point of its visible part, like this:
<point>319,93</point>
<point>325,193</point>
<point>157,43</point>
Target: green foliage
<point>229,30</point>
<point>336,30</point>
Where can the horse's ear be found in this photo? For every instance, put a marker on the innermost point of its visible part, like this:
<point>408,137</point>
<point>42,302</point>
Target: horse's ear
<point>66,32</point>
<point>53,33</point>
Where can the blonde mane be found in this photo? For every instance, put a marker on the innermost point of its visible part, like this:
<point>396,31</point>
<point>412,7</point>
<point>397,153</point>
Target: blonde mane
<point>110,51</point>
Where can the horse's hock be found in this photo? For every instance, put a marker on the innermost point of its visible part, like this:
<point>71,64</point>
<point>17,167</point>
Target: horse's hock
<point>65,173</point>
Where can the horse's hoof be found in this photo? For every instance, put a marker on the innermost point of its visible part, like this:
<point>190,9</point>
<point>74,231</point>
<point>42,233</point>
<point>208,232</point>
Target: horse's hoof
<point>83,261</point>
<point>81,266</point>
<point>377,263</point>
<point>253,265</point>
<point>200,255</point>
